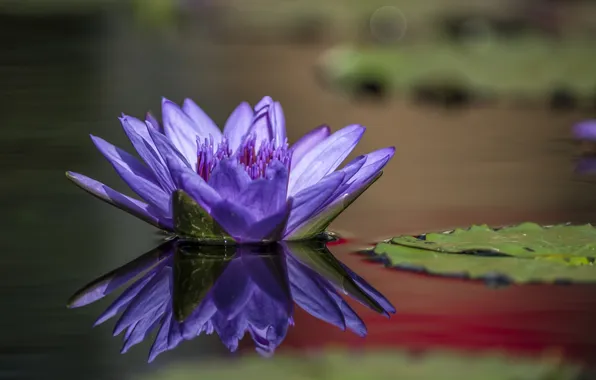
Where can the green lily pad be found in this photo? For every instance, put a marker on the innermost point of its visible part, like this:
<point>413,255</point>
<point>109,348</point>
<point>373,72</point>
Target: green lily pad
<point>526,252</point>
<point>191,221</point>
<point>378,366</point>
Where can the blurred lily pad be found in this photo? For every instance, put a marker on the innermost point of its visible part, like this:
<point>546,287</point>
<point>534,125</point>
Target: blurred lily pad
<point>522,253</point>
<point>378,366</point>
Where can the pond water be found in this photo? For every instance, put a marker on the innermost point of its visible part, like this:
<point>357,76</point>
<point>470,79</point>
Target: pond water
<point>495,165</point>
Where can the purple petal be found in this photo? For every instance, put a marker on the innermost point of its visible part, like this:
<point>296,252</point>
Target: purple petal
<point>586,130</point>
<point>152,122</point>
<point>232,290</point>
<point>163,340</point>
<point>136,176</point>
<point>134,207</point>
<point>269,274</point>
<point>229,179</point>
<point>370,291</point>
<point>307,201</point>
<point>183,176</point>
<point>263,312</point>
<point>274,116</point>
<point>307,143</point>
<point>145,146</point>
<point>238,124</point>
<point>197,188</point>
<point>111,281</point>
<point>311,296</point>
<point>261,127</point>
<point>155,294</point>
<point>324,158</point>
<point>125,298</point>
<point>318,222</point>
<point>230,331</point>
<point>173,158</point>
<point>205,127</point>
<point>234,219</point>
<point>353,321</point>
<point>143,328</point>
<point>375,162</point>
<point>269,229</point>
<point>265,196</point>
<point>180,130</point>
<point>196,322</point>
<point>122,160</point>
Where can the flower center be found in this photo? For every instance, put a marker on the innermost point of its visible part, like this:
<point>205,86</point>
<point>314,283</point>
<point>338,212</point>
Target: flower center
<point>255,162</point>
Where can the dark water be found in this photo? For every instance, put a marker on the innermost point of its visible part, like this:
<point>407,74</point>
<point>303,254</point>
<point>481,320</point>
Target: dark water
<point>499,165</point>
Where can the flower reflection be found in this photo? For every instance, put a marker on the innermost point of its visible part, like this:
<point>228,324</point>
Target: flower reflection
<point>187,289</point>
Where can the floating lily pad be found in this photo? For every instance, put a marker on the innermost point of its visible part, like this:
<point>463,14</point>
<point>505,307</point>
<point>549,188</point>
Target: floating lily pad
<point>526,252</point>
<point>380,365</point>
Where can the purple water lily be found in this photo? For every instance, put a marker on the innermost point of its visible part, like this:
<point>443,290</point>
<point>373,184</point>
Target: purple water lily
<point>188,289</point>
<point>247,181</point>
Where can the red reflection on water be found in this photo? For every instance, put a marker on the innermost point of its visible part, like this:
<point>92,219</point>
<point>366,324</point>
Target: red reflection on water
<point>434,312</point>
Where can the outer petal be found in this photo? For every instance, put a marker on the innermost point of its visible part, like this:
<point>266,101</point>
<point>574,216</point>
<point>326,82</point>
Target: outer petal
<point>307,201</point>
<point>310,295</point>
<point>205,127</point>
<point>317,223</point>
<point>143,328</point>
<point>145,146</point>
<point>137,176</point>
<point>308,142</point>
<point>111,281</point>
<point>196,322</point>
<point>125,298</point>
<point>375,162</point>
<point>180,130</point>
<point>153,123</point>
<point>153,295</point>
<point>173,158</point>
<point>324,158</point>
<point>238,124</point>
<point>586,130</point>
<point>168,337</point>
<point>134,207</point>
<point>369,290</point>
<point>353,321</point>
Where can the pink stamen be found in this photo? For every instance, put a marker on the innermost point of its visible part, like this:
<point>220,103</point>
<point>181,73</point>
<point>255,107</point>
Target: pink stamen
<point>254,162</point>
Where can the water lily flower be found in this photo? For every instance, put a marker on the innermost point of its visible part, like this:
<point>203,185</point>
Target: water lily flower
<point>188,289</point>
<point>245,184</point>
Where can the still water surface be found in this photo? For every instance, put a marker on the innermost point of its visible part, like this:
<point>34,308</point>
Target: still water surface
<point>495,165</point>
